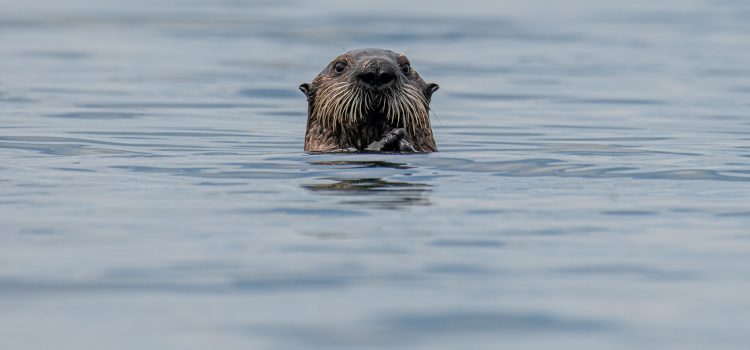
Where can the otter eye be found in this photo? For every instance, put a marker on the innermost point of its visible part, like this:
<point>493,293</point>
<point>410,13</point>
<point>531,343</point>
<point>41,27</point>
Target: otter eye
<point>339,67</point>
<point>406,68</point>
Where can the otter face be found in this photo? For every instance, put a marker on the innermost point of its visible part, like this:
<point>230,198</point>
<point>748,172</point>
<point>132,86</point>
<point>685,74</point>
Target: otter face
<point>363,95</point>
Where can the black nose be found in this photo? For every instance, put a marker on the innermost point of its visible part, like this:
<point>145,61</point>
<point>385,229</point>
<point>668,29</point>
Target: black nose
<point>377,74</point>
<point>376,78</point>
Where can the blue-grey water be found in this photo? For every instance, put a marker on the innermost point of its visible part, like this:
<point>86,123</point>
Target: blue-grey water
<point>592,189</point>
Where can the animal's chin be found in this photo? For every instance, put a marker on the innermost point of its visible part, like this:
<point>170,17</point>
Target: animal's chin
<point>378,90</point>
<point>375,114</point>
<point>377,108</point>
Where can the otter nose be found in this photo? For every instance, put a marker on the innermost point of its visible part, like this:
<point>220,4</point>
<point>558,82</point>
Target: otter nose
<point>377,74</point>
<point>376,78</point>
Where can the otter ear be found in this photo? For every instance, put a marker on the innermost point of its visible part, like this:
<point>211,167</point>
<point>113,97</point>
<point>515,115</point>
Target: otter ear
<point>306,89</point>
<point>430,89</point>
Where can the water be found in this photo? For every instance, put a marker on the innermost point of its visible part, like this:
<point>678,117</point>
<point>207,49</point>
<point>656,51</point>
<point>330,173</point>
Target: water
<point>591,191</point>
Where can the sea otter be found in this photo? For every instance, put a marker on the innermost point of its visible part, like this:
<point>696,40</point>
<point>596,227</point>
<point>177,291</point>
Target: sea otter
<point>369,100</point>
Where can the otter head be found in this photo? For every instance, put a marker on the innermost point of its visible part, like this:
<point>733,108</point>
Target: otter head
<point>364,94</point>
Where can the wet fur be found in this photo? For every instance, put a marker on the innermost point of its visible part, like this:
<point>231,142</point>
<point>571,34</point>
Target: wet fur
<point>344,115</point>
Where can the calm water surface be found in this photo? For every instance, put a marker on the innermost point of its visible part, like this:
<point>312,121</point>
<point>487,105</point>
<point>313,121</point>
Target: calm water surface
<point>592,189</point>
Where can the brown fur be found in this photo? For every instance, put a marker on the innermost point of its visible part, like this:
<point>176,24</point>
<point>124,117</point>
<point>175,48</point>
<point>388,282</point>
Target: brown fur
<point>345,114</point>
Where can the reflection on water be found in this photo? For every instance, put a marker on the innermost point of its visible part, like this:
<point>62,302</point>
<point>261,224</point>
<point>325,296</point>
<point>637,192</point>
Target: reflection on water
<point>371,192</point>
<point>362,164</point>
<point>375,192</point>
<point>592,186</point>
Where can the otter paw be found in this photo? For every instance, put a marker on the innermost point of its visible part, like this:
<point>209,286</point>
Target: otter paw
<point>405,146</point>
<point>390,142</point>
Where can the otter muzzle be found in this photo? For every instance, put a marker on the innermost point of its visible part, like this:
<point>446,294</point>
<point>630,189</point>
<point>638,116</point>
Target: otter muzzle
<point>377,74</point>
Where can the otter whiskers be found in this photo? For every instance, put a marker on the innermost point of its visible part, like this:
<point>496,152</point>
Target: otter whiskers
<point>347,103</point>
